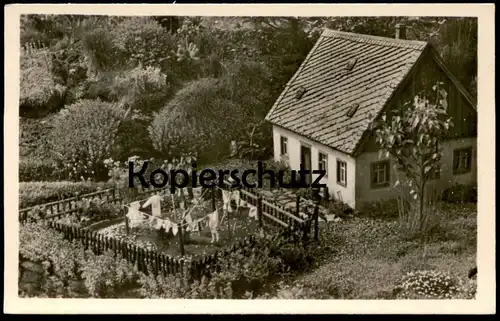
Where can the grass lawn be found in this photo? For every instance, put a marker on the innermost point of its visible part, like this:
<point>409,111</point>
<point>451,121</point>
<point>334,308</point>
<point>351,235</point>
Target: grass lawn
<point>370,256</point>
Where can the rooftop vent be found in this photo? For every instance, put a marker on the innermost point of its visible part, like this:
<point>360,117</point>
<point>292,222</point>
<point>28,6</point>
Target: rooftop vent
<point>352,110</point>
<point>300,92</point>
<point>351,63</point>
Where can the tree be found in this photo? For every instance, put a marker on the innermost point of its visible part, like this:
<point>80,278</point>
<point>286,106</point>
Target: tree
<point>412,139</point>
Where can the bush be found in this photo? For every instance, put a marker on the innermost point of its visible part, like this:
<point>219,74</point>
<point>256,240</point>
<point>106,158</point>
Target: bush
<point>460,193</point>
<point>36,193</point>
<point>429,285</point>
<point>33,137</point>
<point>142,40</point>
<point>387,209</point>
<point>209,120</point>
<point>145,89</point>
<point>39,92</point>
<point>104,275</point>
<point>84,135</point>
<point>32,169</point>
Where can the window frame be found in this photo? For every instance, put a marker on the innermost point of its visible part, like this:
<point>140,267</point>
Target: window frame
<point>457,157</point>
<point>387,170</point>
<point>339,169</point>
<point>325,159</point>
<point>283,142</point>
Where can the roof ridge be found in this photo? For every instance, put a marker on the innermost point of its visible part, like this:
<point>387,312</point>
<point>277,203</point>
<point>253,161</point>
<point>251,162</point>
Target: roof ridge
<point>414,44</point>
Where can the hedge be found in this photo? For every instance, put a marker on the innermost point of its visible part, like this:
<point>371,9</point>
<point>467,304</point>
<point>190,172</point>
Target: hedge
<point>35,193</point>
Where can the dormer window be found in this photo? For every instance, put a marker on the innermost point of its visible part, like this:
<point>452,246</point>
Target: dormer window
<point>351,63</point>
<point>352,110</point>
<point>300,92</point>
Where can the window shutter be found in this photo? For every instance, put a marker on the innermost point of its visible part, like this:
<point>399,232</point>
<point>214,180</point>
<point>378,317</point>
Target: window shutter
<point>456,153</point>
<point>387,172</point>
<point>469,158</point>
<point>338,171</point>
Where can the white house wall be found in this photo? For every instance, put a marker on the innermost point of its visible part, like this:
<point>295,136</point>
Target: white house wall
<point>365,194</point>
<point>294,143</point>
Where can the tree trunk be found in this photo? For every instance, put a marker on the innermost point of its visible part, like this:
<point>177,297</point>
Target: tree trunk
<point>421,207</point>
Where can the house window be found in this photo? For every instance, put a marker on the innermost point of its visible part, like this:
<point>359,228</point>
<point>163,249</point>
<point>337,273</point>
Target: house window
<point>323,162</point>
<point>283,146</point>
<point>462,160</point>
<point>341,172</point>
<point>380,174</point>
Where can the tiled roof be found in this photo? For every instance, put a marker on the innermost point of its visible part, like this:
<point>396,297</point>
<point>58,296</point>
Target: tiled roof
<point>331,89</point>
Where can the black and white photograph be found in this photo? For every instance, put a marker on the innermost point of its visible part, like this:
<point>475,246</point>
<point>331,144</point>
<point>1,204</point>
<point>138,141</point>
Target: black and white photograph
<point>251,157</point>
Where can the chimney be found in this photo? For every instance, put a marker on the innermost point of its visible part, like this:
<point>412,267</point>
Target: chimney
<point>400,31</point>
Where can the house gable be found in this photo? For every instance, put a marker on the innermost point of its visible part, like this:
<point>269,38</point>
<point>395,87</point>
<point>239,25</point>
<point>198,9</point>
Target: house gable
<point>428,70</point>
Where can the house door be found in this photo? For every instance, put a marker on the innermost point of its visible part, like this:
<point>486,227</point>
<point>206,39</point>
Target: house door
<point>305,160</point>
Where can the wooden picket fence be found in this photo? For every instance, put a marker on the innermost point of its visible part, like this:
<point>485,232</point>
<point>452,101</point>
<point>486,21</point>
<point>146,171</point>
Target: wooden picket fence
<point>54,210</point>
<point>147,261</point>
<point>278,215</point>
<point>159,262</point>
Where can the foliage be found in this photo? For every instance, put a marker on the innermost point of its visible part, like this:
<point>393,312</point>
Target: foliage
<point>369,258</point>
<point>175,287</point>
<point>33,169</point>
<point>92,211</point>
<point>84,135</point>
<point>145,89</point>
<point>38,88</point>
<point>460,193</point>
<point>243,273</point>
<point>381,209</point>
<point>33,137</point>
<point>36,193</point>
<point>412,139</point>
<point>429,285</point>
<point>104,275</point>
<point>208,120</point>
<point>142,41</point>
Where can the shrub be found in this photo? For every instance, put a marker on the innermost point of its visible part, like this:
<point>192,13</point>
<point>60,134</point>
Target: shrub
<point>84,135</point>
<point>460,193</point>
<point>209,120</point>
<point>175,287</point>
<point>386,209</point>
<point>104,275</point>
<point>142,88</point>
<point>427,284</point>
<point>142,40</point>
<point>33,137</point>
<point>93,211</point>
<point>35,193</point>
<point>297,291</point>
<point>39,92</point>
<point>32,169</point>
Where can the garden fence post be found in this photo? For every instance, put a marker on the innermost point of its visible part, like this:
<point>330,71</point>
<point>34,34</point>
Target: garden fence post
<point>213,199</point>
<point>316,215</point>
<point>259,210</point>
<point>297,206</point>
<point>126,222</point>
<point>76,203</point>
<point>181,239</point>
